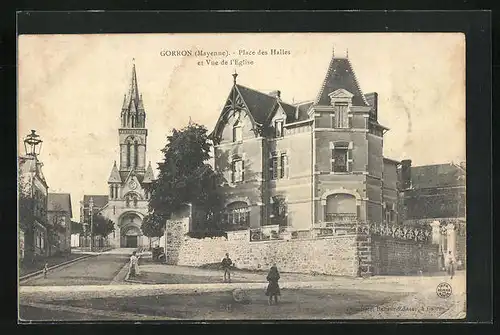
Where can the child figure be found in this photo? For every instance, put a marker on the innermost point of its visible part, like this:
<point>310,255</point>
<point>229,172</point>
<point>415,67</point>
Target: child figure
<point>45,270</point>
<point>273,289</point>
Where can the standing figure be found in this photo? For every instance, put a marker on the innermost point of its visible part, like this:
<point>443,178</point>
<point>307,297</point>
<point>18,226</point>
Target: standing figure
<point>226,266</point>
<point>273,289</point>
<point>451,265</point>
<point>45,270</point>
<point>134,265</point>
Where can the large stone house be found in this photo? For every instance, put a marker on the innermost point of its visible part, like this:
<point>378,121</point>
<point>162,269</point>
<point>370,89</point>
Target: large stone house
<point>33,189</point>
<point>127,202</point>
<point>313,164</point>
<point>59,214</point>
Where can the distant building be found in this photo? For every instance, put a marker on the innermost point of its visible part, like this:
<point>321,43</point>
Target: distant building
<point>312,164</point>
<point>436,195</point>
<point>59,214</point>
<point>127,202</point>
<point>33,235</point>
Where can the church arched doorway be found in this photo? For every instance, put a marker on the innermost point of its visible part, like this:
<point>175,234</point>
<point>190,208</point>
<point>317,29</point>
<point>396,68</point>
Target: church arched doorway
<point>130,231</point>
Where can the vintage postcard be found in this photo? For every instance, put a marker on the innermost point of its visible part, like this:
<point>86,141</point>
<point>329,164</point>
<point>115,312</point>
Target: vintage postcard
<point>248,176</point>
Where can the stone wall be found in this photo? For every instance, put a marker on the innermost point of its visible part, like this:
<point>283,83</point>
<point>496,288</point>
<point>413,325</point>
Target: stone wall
<point>398,257</point>
<point>335,255</point>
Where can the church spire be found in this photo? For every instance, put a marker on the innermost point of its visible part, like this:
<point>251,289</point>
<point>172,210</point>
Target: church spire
<point>133,114</point>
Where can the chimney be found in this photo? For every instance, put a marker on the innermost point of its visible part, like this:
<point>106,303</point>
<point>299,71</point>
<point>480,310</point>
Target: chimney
<point>406,174</point>
<point>276,94</point>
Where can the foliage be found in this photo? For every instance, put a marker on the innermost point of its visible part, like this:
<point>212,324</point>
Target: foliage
<point>153,225</point>
<point>185,177</point>
<point>102,226</point>
<point>76,227</point>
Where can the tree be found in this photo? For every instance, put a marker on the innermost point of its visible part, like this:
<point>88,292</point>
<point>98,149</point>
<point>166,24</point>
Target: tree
<point>76,227</point>
<point>185,177</point>
<point>102,226</point>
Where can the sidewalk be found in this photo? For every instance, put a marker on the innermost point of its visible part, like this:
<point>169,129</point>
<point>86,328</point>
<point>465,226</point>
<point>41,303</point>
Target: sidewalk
<point>26,269</point>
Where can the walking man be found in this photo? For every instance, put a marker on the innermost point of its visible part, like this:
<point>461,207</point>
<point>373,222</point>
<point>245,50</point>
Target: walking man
<point>226,266</point>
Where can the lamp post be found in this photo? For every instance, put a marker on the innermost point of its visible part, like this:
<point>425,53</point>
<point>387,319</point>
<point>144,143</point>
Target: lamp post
<point>91,213</point>
<point>32,147</point>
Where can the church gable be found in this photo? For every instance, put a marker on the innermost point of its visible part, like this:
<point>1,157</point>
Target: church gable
<point>132,185</point>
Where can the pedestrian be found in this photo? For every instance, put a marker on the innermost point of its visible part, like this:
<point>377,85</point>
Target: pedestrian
<point>226,266</point>
<point>45,270</point>
<point>134,265</point>
<point>273,289</point>
<point>451,265</point>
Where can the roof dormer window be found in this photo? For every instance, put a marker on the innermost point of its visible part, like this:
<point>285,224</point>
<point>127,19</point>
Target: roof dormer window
<point>278,128</point>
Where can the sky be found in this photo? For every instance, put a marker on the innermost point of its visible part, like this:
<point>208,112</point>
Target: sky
<point>71,90</point>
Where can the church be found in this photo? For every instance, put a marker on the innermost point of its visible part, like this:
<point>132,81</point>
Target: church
<point>127,202</point>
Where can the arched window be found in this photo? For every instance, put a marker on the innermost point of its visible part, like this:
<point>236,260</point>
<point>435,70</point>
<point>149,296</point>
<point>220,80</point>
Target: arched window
<point>127,201</point>
<point>340,207</point>
<point>237,132</point>
<point>135,200</point>
<point>237,214</point>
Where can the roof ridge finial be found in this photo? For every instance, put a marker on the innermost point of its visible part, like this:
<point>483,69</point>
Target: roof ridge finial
<point>235,74</point>
<point>347,53</point>
<point>333,51</point>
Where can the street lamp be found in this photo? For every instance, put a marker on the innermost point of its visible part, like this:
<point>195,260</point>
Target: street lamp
<point>91,213</point>
<point>31,144</point>
<point>32,147</point>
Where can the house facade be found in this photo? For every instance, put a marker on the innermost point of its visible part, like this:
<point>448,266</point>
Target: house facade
<point>59,214</point>
<point>33,235</point>
<point>312,164</point>
<point>127,202</point>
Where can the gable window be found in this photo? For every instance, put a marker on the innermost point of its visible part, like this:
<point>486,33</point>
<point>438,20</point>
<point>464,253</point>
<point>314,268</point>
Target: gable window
<point>278,128</point>
<point>237,170</point>
<point>341,120</point>
<point>341,157</point>
<point>237,133</point>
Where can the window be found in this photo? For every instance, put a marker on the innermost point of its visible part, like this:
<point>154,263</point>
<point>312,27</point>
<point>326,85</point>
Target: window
<point>237,133</point>
<point>339,159</point>
<point>278,128</point>
<point>340,207</point>
<point>284,166</point>
<point>274,167</point>
<point>237,214</point>
<point>278,166</point>
<point>341,120</point>
<point>237,170</point>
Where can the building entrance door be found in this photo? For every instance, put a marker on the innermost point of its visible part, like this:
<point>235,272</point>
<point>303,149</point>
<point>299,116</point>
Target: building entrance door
<point>130,241</point>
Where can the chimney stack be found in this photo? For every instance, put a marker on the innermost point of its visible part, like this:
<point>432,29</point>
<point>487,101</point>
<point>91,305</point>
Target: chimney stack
<point>276,94</point>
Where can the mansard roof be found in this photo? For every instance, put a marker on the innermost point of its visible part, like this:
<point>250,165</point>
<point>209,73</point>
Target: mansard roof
<point>340,75</point>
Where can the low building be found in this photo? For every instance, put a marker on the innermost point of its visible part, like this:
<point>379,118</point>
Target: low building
<point>59,217</point>
<point>436,195</point>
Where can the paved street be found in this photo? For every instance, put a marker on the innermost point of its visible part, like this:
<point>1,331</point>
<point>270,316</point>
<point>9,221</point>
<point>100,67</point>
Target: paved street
<point>94,289</point>
<point>95,270</point>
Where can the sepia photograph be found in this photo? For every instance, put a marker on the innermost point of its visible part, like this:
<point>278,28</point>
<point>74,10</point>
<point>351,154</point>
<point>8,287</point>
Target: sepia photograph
<point>241,176</point>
